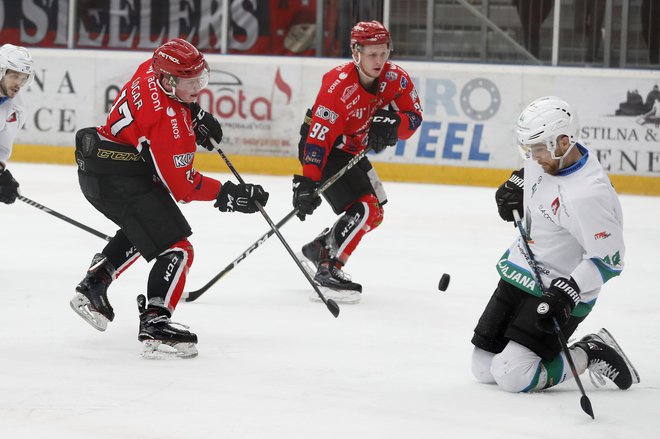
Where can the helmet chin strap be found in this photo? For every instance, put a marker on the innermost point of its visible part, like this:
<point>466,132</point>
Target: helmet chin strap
<point>359,69</point>
<point>563,156</point>
<point>171,94</point>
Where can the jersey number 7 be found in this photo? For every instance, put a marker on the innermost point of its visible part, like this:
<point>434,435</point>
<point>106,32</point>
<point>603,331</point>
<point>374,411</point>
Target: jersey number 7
<point>125,112</point>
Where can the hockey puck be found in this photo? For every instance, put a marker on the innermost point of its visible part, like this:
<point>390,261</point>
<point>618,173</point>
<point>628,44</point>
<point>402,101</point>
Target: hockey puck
<point>444,282</point>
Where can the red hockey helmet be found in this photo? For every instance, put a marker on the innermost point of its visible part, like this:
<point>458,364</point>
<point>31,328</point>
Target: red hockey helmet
<point>178,58</point>
<point>182,64</point>
<point>368,33</point>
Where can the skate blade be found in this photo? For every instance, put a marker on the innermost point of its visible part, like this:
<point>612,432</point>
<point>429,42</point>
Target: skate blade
<point>340,296</point>
<point>160,350</point>
<point>605,335</point>
<point>307,265</point>
<point>81,305</point>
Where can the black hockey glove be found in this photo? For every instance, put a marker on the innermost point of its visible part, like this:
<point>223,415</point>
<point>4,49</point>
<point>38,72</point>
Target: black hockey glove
<point>509,196</point>
<point>8,187</point>
<point>303,196</point>
<point>558,301</point>
<point>205,126</point>
<point>240,197</point>
<point>383,131</point>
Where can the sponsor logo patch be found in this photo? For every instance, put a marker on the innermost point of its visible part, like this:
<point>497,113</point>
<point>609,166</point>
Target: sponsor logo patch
<point>602,235</point>
<point>12,117</point>
<point>404,82</point>
<point>555,206</point>
<point>326,114</point>
<point>348,92</point>
<point>183,160</point>
<point>391,76</point>
<point>313,155</point>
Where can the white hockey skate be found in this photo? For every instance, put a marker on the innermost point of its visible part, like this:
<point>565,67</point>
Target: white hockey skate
<point>338,295</point>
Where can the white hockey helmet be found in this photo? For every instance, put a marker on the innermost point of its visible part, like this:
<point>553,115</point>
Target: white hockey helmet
<point>543,122</point>
<point>18,59</point>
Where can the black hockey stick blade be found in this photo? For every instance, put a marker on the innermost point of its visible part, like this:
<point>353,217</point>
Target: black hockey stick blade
<point>586,406</point>
<point>332,307</point>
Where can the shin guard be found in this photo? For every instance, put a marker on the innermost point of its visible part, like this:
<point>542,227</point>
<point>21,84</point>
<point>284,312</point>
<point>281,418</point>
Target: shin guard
<point>361,217</point>
<point>168,275</point>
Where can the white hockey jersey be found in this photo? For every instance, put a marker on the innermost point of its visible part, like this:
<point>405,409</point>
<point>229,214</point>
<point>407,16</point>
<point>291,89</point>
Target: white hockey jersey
<point>12,118</point>
<point>575,226</point>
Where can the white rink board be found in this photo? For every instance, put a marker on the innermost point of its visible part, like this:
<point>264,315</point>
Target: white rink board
<point>470,110</point>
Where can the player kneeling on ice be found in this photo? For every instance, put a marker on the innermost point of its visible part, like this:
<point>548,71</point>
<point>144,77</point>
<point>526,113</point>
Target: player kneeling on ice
<point>367,103</point>
<point>574,224</point>
<point>132,169</point>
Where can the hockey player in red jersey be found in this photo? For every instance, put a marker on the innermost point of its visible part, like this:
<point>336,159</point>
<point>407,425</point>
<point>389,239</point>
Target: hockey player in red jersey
<point>133,169</point>
<point>369,102</point>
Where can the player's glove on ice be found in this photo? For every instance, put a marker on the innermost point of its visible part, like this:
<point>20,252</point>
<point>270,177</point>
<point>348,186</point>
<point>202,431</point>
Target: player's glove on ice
<point>8,187</point>
<point>509,196</point>
<point>240,197</point>
<point>205,126</point>
<point>558,301</point>
<point>383,131</point>
<point>303,196</point>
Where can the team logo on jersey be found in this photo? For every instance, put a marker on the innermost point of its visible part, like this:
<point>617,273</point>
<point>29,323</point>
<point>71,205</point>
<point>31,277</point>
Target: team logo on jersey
<point>348,92</point>
<point>326,114</point>
<point>555,206</point>
<point>183,160</point>
<point>391,76</point>
<point>404,82</point>
<point>602,235</point>
<point>12,117</point>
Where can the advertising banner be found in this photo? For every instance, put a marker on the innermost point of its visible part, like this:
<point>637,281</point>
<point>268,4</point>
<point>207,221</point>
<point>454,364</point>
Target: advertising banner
<point>470,111</point>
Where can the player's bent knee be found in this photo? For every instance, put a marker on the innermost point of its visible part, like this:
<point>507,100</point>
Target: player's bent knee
<point>515,369</point>
<point>481,361</point>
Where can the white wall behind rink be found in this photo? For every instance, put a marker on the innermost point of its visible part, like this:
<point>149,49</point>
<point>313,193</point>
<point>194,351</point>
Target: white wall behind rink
<point>470,110</point>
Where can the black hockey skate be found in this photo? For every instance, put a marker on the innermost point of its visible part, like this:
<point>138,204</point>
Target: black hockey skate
<point>327,273</point>
<point>91,301</point>
<point>606,359</point>
<point>159,338</point>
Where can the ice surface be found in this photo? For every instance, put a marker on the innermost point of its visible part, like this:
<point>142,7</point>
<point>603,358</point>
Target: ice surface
<point>273,364</point>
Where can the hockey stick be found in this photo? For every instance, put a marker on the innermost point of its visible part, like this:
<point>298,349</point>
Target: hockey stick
<point>63,217</point>
<point>584,400</point>
<point>329,303</point>
<point>193,295</point>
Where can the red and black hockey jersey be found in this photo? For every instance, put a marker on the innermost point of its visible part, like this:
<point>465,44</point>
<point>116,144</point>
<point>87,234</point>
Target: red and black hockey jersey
<point>342,113</point>
<point>160,128</point>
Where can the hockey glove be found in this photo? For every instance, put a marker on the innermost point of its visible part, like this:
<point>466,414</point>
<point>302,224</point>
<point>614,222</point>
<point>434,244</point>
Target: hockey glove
<point>240,197</point>
<point>205,126</point>
<point>383,131</point>
<point>8,187</point>
<point>303,196</point>
<point>509,196</point>
<point>558,301</point>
